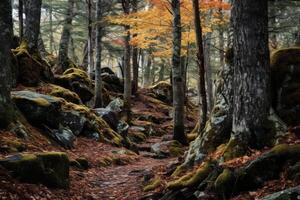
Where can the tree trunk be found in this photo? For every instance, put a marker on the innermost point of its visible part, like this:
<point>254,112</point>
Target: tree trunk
<point>51,40</point>
<point>221,38</point>
<point>32,23</point>
<point>208,72</point>
<point>201,65</point>
<point>98,79</point>
<point>21,21</point>
<point>178,93</point>
<point>127,67</point>
<point>90,41</point>
<point>135,64</point>
<point>251,76</point>
<point>298,34</point>
<point>147,72</point>
<point>273,24</point>
<point>6,25</point>
<point>162,71</point>
<point>85,58</point>
<point>41,47</point>
<point>63,59</point>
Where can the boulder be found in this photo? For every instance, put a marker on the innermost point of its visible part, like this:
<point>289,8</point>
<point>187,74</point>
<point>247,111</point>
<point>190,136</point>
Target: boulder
<point>50,169</point>
<point>107,70</point>
<point>116,105</point>
<point>54,113</point>
<point>167,148</point>
<point>109,116</point>
<point>77,81</point>
<point>285,73</point>
<point>288,194</point>
<point>63,136</point>
<point>32,69</point>
<point>112,83</point>
<point>162,91</point>
<point>58,91</point>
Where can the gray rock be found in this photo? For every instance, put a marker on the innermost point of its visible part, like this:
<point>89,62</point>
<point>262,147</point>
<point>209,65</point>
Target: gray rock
<point>288,194</point>
<point>50,169</point>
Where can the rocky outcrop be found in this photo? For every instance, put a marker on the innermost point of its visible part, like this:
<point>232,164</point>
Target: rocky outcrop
<point>77,81</point>
<point>288,194</point>
<point>31,69</point>
<point>50,169</point>
<point>63,118</point>
<point>162,91</point>
<point>285,68</point>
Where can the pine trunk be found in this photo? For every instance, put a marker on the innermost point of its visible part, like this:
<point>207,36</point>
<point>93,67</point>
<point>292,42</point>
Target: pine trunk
<point>21,21</point>
<point>127,67</point>
<point>251,75</point>
<point>32,23</point>
<point>135,64</point>
<point>178,90</point>
<point>65,37</point>
<point>90,41</point>
<point>201,65</point>
<point>6,25</point>
<point>98,79</point>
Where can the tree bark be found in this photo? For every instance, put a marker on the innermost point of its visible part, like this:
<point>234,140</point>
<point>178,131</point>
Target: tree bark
<point>178,93</point>
<point>162,70</point>
<point>90,41</point>
<point>147,72</point>
<point>98,79</point>
<point>63,59</point>
<point>298,34</point>
<point>6,25</point>
<point>201,64</point>
<point>32,23</point>
<point>127,67</point>
<point>21,21</point>
<point>135,64</point>
<point>51,39</point>
<point>208,72</point>
<point>251,76</point>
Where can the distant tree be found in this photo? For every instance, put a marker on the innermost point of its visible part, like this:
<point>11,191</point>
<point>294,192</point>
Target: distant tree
<point>32,23</point>
<point>6,35</point>
<point>178,82</point>
<point>201,65</point>
<point>21,21</point>
<point>90,49</point>
<point>99,33</point>
<point>127,66</point>
<point>66,37</point>
<point>135,64</point>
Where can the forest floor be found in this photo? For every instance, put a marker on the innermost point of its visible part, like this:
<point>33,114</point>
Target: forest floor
<point>114,172</point>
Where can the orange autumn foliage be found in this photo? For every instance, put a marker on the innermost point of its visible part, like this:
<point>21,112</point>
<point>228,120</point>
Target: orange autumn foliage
<point>153,25</point>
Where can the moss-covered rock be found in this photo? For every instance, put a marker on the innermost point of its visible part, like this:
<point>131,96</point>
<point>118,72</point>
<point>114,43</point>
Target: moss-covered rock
<point>192,179</point>
<point>167,148</point>
<point>162,91</point>
<point>155,183</point>
<point>32,69</point>
<point>285,73</point>
<point>54,113</point>
<point>58,91</point>
<point>288,194</point>
<point>77,81</point>
<point>50,169</point>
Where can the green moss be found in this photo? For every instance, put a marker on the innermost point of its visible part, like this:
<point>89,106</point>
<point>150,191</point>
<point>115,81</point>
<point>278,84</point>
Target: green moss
<point>284,57</point>
<point>224,181</point>
<point>192,179</point>
<point>233,149</point>
<point>105,162</point>
<point>155,183</point>
<point>176,149</point>
<point>137,136</point>
<point>180,169</point>
<point>64,93</point>
<point>286,150</point>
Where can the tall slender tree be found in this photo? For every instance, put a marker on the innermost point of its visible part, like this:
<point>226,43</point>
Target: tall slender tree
<point>201,65</point>
<point>65,37</point>
<point>178,80</point>
<point>21,21</point>
<point>127,67</point>
<point>98,80</point>
<point>32,23</point>
<point>135,63</point>
<point>6,25</point>
<point>90,39</point>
